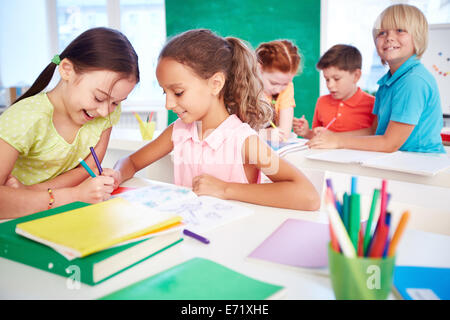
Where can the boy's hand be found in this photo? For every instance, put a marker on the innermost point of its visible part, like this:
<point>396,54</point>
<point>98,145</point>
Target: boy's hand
<point>94,190</point>
<point>107,172</point>
<point>318,130</point>
<point>301,126</point>
<point>206,185</point>
<point>325,140</point>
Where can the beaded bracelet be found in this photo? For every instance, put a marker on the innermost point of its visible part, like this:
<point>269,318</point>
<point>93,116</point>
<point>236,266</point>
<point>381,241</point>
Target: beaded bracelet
<point>52,198</point>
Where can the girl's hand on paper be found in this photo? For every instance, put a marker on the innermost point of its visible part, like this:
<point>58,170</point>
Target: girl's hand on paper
<point>94,190</point>
<point>206,185</point>
<point>107,172</point>
<point>325,140</point>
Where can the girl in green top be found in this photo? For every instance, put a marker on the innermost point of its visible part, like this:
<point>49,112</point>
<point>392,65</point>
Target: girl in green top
<point>43,134</point>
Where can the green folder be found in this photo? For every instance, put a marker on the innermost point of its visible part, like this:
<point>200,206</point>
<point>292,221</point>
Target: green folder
<point>20,249</point>
<point>198,279</point>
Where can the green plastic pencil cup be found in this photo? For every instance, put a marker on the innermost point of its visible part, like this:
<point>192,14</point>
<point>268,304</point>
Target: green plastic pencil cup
<point>147,129</point>
<point>360,278</point>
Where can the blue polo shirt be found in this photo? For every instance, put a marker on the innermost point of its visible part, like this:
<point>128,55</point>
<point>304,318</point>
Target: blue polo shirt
<point>411,96</point>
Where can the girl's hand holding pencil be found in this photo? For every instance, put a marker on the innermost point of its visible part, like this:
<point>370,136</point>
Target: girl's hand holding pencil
<point>276,133</point>
<point>97,188</point>
<point>113,174</point>
<point>94,190</point>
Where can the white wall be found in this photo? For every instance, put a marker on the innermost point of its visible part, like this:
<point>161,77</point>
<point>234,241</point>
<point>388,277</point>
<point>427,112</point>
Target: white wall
<point>19,66</point>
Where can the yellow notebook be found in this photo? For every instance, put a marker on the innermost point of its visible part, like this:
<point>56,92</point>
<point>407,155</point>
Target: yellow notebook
<point>81,232</point>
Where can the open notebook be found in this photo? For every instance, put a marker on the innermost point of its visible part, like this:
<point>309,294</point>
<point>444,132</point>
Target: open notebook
<point>426,164</point>
<point>289,146</point>
<point>200,213</point>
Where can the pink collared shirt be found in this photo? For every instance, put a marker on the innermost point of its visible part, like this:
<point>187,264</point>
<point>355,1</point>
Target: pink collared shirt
<point>219,154</point>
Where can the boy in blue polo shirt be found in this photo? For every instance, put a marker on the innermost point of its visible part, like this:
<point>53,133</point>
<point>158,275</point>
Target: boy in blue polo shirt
<point>407,103</point>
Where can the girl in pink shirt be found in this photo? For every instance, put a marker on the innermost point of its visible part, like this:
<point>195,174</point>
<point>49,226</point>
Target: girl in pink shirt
<point>212,84</point>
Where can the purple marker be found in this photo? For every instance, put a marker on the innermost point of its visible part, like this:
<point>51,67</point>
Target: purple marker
<point>94,155</point>
<point>195,236</point>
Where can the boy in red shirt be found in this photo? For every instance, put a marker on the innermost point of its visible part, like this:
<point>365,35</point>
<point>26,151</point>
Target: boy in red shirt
<point>347,107</point>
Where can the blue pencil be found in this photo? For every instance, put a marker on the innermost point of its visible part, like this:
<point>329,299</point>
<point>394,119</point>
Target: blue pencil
<point>84,164</point>
<point>354,185</point>
<point>388,223</point>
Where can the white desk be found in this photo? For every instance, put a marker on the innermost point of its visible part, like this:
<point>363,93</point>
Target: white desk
<point>230,246</point>
<point>429,203</point>
<point>299,159</point>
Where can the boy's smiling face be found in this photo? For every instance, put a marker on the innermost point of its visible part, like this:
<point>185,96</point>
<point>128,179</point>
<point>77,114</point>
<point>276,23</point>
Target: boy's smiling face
<point>394,46</point>
<point>341,84</point>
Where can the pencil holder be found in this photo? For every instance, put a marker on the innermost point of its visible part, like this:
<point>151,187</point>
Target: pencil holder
<point>360,278</point>
<point>147,129</point>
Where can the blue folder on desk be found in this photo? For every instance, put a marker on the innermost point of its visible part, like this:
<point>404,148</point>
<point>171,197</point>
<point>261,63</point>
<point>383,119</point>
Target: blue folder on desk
<point>422,283</point>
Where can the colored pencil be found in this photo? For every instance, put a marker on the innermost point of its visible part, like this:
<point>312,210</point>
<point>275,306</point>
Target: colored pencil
<point>334,241</point>
<point>346,210</point>
<point>388,226</point>
<point>335,199</point>
<point>354,219</point>
<point>398,233</point>
<point>330,123</point>
<point>275,127</point>
<point>382,218</point>
<point>376,251</point>
<point>354,185</point>
<point>338,227</point>
<point>138,118</point>
<point>367,234</point>
<point>86,167</point>
<point>150,117</point>
<point>380,234</point>
<point>97,163</point>
<point>195,236</point>
<point>361,243</point>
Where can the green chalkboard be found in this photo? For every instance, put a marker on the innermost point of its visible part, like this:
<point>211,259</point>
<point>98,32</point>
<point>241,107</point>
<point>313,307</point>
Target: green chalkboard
<point>259,21</point>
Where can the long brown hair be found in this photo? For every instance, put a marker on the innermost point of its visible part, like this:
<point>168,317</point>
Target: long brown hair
<point>95,49</point>
<point>207,53</point>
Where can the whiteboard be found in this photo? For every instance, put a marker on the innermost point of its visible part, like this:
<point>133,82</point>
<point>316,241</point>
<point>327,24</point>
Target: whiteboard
<point>437,60</point>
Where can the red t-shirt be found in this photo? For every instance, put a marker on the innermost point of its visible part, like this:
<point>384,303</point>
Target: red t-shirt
<point>356,112</point>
